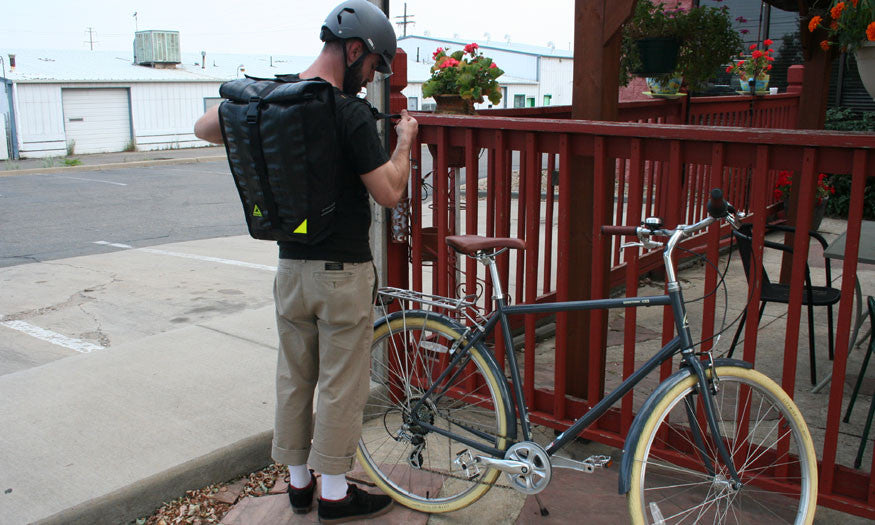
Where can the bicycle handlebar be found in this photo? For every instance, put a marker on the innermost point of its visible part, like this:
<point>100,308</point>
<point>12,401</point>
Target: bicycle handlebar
<point>619,230</point>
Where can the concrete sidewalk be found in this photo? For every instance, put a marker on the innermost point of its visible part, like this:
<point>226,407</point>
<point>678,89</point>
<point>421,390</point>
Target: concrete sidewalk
<point>101,161</point>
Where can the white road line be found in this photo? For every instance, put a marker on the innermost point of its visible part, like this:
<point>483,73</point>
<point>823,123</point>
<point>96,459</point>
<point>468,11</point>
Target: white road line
<point>52,337</point>
<point>210,259</point>
<point>192,256</point>
<point>91,180</point>
<point>104,243</point>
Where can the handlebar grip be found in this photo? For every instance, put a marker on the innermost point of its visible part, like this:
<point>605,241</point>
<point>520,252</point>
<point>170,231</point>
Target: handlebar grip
<point>619,230</point>
<point>717,206</point>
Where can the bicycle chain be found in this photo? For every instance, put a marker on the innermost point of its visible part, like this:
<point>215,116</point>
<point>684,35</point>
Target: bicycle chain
<point>484,429</point>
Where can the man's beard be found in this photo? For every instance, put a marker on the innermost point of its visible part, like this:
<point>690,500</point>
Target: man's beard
<point>353,79</point>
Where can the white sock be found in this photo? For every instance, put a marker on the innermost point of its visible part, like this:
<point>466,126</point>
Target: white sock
<point>334,486</point>
<point>299,476</point>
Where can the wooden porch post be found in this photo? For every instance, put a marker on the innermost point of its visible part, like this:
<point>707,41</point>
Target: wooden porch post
<point>597,36</point>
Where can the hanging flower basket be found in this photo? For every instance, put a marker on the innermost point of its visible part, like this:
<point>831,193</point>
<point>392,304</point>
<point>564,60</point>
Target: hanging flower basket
<point>659,56</point>
<point>865,55</point>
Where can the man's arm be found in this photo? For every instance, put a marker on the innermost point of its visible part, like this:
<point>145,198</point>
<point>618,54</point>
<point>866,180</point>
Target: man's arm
<point>207,127</point>
<point>387,183</point>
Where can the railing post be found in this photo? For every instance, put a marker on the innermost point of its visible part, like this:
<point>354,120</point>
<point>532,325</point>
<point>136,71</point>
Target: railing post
<point>396,229</point>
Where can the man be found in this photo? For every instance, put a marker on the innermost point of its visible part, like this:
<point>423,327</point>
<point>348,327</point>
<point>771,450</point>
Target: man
<point>324,293</point>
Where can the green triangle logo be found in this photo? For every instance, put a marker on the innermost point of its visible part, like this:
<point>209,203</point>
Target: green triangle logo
<point>256,212</point>
<point>302,228</point>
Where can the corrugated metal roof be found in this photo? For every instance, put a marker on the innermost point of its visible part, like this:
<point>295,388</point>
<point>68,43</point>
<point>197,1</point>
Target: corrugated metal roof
<point>418,72</point>
<point>502,46</point>
<point>118,66</point>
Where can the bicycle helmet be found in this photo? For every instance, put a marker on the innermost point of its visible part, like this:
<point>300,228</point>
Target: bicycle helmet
<point>362,19</point>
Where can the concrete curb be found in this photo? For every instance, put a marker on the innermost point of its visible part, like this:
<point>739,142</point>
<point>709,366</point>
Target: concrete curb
<point>140,499</point>
<point>112,165</point>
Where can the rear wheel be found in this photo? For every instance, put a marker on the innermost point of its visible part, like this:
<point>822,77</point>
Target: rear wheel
<point>416,466</point>
<point>674,480</point>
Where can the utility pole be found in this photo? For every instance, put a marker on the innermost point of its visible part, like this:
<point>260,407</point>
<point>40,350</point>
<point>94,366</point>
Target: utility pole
<point>404,21</point>
<point>90,40</point>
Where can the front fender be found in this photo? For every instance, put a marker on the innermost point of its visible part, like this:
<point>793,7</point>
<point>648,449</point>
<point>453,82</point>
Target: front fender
<point>646,409</point>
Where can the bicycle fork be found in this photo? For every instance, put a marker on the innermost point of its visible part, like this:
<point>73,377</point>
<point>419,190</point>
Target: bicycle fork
<point>706,393</point>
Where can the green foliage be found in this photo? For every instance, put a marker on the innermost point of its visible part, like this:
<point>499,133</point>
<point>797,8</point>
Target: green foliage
<point>72,162</point>
<point>467,73</point>
<point>846,119</point>
<point>71,147</point>
<point>839,204</point>
<point>708,40</point>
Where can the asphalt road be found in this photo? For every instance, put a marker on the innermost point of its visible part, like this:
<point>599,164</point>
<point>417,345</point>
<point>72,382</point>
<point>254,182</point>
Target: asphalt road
<point>57,215</point>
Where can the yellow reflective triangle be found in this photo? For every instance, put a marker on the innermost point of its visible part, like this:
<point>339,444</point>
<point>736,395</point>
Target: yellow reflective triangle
<point>302,228</point>
<point>256,212</point>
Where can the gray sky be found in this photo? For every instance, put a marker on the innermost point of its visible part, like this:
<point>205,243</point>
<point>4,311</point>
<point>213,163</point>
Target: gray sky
<point>289,27</point>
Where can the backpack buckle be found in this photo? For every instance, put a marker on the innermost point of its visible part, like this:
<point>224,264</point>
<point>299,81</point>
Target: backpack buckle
<point>252,111</point>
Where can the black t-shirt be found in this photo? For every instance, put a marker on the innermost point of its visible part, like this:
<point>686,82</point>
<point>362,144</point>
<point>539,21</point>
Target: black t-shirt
<point>362,152</point>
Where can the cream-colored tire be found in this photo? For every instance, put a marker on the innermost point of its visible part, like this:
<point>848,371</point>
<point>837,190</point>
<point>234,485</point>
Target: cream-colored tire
<point>414,465</point>
<point>766,436</point>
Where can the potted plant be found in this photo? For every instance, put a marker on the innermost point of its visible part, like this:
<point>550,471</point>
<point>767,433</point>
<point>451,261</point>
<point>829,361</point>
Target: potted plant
<point>461,79</point>
<point>706,36</point>
<point>784,185</point>
<point>753,70</point>
<point>850,26</point>
<point>458,81</point>
<point>651,40</point>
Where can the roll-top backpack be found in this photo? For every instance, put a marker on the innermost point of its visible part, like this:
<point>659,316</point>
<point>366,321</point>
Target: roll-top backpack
<point>283,150</point>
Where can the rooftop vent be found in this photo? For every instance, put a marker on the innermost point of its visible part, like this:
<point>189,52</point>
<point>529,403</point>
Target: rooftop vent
<point>157,48</point>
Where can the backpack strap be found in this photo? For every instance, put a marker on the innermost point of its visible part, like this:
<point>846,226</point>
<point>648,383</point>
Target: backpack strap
<point>253,115</point>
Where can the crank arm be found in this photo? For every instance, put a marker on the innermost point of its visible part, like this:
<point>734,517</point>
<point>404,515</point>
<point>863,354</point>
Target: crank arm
<point>505,465</point>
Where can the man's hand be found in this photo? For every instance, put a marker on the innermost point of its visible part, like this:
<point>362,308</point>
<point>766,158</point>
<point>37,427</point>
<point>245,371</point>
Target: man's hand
<point>406,129</point>
<point>387,183</point>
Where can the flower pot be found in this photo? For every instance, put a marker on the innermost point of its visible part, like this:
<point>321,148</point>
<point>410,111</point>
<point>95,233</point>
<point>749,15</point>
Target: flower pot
<point>670,87</point>
<point>865,55</point>
<point>761,85</point>
<point>659,56</point>
<point>816,214</point>
<point>452,105</point>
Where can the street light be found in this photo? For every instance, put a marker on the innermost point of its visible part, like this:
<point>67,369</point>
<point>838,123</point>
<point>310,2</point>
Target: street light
<point>241,69</point>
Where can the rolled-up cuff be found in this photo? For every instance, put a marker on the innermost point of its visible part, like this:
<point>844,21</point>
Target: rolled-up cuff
<point>290,457</point>
<point>330,464</point>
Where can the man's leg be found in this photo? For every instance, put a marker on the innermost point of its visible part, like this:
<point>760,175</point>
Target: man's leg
<point>297,367</point>
<point>345,320</point>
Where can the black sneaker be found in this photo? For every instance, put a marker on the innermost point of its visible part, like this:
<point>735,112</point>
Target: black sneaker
<point>302,499</point>
<point>357,504</point>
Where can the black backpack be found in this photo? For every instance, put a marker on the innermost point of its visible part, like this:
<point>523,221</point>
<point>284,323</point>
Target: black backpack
<point>283,149</point>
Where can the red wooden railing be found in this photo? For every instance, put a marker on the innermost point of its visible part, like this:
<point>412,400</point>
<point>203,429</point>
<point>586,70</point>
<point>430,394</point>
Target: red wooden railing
<point>659,170</point>
<point>655,170</point>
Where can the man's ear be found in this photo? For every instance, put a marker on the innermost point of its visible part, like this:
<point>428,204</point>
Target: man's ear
<point>354,49</point>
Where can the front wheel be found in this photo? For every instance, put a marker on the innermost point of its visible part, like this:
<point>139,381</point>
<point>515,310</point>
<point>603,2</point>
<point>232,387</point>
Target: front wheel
<point>415,465</point>
<point>678,476</point>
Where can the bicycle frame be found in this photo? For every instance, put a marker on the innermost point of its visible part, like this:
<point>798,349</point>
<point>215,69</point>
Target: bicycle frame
<point>680,343</point>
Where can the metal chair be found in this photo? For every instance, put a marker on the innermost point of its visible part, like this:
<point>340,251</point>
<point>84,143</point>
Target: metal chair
<point>868,425</point>
<point>780,293</point>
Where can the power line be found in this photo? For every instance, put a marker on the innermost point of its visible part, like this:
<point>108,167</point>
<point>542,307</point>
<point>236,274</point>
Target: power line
<point>404,21</point>
<point>90,40</point>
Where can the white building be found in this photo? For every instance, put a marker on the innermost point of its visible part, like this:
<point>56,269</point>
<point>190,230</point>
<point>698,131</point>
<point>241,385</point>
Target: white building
<point>57,102</point>
<point>533,76</point>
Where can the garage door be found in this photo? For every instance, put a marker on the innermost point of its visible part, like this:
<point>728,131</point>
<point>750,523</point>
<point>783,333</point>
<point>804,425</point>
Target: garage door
<point>98,120</point>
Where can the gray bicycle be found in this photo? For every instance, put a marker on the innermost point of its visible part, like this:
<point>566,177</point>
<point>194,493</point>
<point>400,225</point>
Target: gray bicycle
<point>717,441</point>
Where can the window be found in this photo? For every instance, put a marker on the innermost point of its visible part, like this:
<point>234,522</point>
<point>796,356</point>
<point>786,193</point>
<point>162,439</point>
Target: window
<point>211,101</point>
<point>547,99</point>
<point>412,103</point>
<point>428,106</point>
<point>530,102</point>
<point>519,101</point>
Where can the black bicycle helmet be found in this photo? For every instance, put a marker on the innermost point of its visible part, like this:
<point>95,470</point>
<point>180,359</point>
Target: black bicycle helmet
<point>362,19</point>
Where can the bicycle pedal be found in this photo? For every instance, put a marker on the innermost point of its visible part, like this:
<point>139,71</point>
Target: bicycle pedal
<point>599,461</point>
